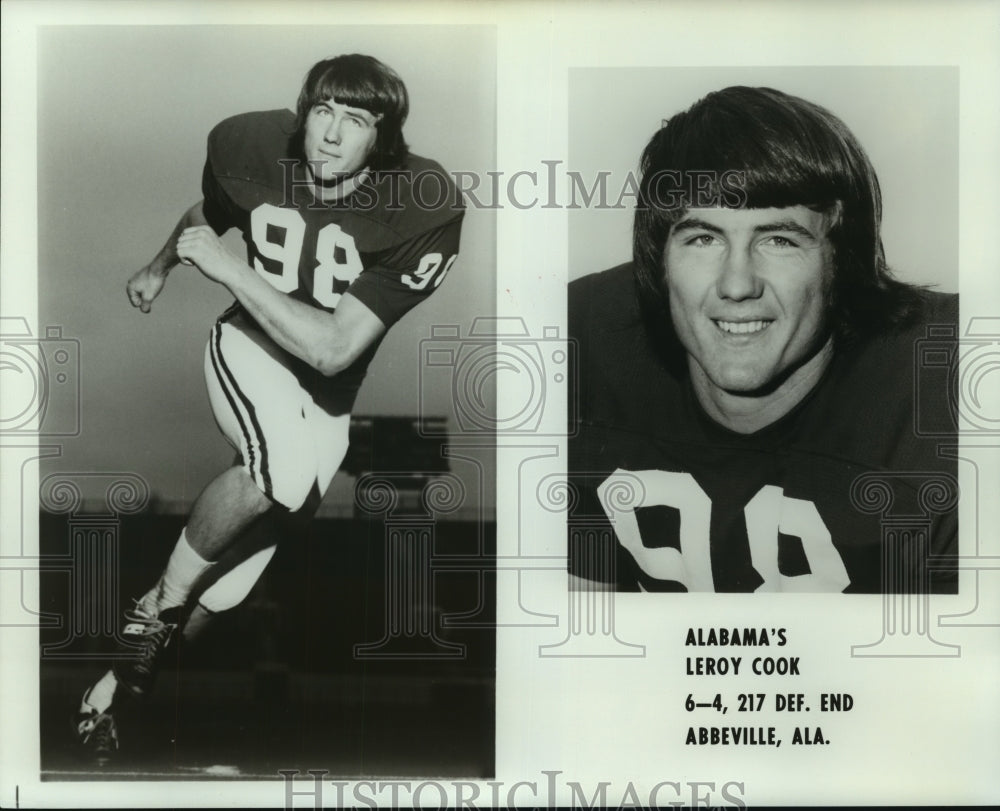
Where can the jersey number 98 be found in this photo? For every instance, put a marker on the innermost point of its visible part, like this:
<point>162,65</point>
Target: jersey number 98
<point>336,256</point>
<point>767,514</point>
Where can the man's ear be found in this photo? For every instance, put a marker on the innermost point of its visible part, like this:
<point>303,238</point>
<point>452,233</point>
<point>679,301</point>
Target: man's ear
<point>834,215</point>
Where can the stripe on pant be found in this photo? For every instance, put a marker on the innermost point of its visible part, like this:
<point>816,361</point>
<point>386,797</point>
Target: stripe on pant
<point>247,417</point>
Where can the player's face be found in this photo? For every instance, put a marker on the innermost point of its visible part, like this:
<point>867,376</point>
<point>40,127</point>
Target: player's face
<point>748,295</point>
<point>338,139</point>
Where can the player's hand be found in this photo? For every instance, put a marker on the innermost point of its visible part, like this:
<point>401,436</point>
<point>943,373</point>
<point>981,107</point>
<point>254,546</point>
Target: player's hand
<point>201,246</point>
<point>143,287</point>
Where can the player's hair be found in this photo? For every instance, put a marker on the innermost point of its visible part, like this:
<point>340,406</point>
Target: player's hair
<point>746,147</point>
<point>361,81</point>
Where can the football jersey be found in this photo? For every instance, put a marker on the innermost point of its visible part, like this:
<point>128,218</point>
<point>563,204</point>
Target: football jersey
<point>389,243</point>
<point>844,493</point>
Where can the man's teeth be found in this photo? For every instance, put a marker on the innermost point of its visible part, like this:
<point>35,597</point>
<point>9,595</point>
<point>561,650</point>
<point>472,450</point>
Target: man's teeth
<point>742,327</point>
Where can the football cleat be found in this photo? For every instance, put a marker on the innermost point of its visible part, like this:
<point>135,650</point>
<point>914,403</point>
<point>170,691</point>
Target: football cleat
<point>136,671</point>
<point>97,735</point>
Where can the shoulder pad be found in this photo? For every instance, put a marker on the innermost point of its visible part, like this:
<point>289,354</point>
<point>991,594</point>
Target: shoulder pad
<point>412,199</point>
<point>245,154</point>
<point>608,299</point>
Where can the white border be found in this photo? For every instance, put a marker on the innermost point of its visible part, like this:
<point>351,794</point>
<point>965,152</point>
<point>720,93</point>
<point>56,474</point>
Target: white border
<point>926,731</point>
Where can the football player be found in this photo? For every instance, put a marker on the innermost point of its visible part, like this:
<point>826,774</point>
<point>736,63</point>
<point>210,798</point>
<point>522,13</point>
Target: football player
<point>345,230</point>
<point>747,383</point>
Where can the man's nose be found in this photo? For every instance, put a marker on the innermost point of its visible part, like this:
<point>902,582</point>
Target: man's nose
<point>738,279</point>
<point>333,130</point>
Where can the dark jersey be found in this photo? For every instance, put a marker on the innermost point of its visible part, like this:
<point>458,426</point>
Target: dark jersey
<point>841,494</point>
<point>389,244</point>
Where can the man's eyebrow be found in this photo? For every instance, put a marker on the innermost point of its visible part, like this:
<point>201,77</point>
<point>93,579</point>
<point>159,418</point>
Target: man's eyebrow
<point>354,112</point>
<point>784,225</point>
<point>789,225</point>
<point>694,224</point>
<point>359,112</point>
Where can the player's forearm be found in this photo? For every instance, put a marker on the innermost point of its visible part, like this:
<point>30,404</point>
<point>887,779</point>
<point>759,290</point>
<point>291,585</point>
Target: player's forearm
<point>166,259</point>
<point>311,334</point>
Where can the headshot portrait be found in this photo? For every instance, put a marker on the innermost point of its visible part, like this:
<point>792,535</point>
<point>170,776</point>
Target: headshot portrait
<point>765,388</point>
<point>251,235</point>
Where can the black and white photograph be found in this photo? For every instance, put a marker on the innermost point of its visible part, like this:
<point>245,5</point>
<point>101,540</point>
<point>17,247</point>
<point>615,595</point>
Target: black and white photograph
<point>249,236</point>
<point>363,366</point>
<point>767,399</point>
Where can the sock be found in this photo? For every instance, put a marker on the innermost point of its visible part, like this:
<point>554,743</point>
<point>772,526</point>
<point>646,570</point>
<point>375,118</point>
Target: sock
<point>183,569</point>
<point>100,696</point>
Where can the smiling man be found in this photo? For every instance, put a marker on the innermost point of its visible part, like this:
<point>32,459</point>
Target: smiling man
<point>748,292</point>
<point>340,245</point>
<point>750,376</point>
